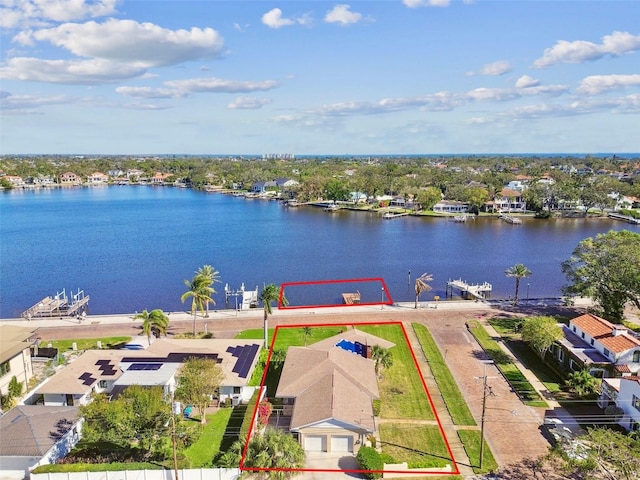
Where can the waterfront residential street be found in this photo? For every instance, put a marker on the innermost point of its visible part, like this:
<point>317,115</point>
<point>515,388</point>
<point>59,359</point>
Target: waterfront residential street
<point>512,429</point>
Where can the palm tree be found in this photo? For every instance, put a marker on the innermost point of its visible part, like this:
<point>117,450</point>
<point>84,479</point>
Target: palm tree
<point>307,332</point>
<point>422,285</point>
<point>270,293</point>
<point>518,271</point>
<point>382,357</point>
<point>200,292</point>
<point>154,322</point>
<point>212,276</point>
<point>583,383</point>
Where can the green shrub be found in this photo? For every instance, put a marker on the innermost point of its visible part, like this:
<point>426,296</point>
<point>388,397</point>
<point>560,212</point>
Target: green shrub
<point>369,459</point>
<point>248,414</point>
<point>376,407</point>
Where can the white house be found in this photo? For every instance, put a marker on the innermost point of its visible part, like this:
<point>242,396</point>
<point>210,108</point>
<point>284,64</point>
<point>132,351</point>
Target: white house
<point>625,393</point>
<point>97,178</point>
<point>15,355</point>
<point>34,435</point>
<point>451,206</point>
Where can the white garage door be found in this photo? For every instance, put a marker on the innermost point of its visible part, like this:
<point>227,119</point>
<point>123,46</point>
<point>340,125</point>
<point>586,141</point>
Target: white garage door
<point>342,444</point>
<point>315,443</point>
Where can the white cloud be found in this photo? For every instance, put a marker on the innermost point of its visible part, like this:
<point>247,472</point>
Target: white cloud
<point>24,102</point>
<point>142,44</point>
<point>426,3</point>
<point>39,12</point>
<point>595,84</point>
<point>274,19</point>
<point>525,81</point>
<point>580,51</point>
<point>150,92</point>
<point>248,103</point>
<point>219,85</point>
<point>343,15</point>
<point>499,67</point>
<point>73,72</point>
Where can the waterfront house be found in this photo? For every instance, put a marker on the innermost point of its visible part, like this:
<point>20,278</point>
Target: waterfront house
<point>134,175</point>
<point>625,394</point>
<point>35,435</point>
<point>451,206</point>
<point>97,178</point>
<point>14,180</point>
<point>15,355</point>
<point>262,187</point>
<point>509,200</point>
<point>159,178</point>
<point>327,390</point>
<point>286,183</point>
<point>69,178</point>
<point>593,343</point>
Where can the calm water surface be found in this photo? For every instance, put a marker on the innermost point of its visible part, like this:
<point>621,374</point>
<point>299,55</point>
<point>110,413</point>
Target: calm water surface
<point>130,248</point>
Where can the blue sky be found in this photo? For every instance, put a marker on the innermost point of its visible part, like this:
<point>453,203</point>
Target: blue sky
<point>302,77</point>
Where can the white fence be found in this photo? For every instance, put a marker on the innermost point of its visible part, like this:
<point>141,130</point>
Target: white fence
<point>191,474</point>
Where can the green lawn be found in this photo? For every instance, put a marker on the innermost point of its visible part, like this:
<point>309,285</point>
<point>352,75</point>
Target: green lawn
<point>456,404</point>
<point>471,441</point>
<point>85,343</point>
<point>515,377</point>
<point>401,390</point>
<point>292,337</point>
<point>202,452</point>
<point>421,446</point>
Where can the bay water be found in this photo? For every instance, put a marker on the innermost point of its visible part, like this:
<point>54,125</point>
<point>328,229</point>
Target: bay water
<point>131,248</point>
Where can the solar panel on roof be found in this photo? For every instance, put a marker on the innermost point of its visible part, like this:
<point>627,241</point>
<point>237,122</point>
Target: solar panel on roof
<point>87,378</point>
<point>144,366</point>
<point>109,372</point>
<point>246,354</point>
<point>103,362</point>
<point>232,351</point>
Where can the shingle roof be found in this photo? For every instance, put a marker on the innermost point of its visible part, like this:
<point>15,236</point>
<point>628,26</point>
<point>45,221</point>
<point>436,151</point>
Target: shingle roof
<point>31,430</point>
<point>602,330</point>
<point>13,340</point>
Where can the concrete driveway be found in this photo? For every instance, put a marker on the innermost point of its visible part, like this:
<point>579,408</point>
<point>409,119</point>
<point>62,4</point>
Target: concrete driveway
<point>336,462</point>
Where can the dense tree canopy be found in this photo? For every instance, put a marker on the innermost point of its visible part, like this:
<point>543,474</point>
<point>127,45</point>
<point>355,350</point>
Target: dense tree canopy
<point>198,381</point>
<point>540,333</point>
<point>607,269</point>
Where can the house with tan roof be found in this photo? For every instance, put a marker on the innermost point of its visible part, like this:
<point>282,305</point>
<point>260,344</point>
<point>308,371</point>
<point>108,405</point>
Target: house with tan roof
<point>15,355</point>
<point>605,349</point>
<point>327,390</point>
<point>34,435</point>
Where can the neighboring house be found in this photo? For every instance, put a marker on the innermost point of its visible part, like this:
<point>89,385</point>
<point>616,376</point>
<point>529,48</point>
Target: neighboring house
<point>97,178</point>
<point>625,393</point>
<point>94,371</point>
<point>15,355</point>
<point>605,349</point>
<point>327,390</point>
<point>14,180</point>
<point>284,183</point>
<point>358,197</point>
<point>236,358</point>
<point>111,371</point>
<point>159,178</point>
<point>134,174</point>
<point>262,187</point>
<point>516,185</point>
<point>451,206</point>
<point>69,178</point>
<point>509,200</point>
<point>34,435</point>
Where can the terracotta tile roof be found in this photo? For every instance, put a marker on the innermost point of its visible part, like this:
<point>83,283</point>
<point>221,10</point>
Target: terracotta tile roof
<point>623,368</point>
<point>602,331</point>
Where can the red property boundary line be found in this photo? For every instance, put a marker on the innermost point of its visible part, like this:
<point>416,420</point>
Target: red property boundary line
<point>455,471</point>
<point>325,282</point>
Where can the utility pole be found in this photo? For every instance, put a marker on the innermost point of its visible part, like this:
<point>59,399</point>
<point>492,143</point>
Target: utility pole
<point>173,439</point>
<point>485,390</point>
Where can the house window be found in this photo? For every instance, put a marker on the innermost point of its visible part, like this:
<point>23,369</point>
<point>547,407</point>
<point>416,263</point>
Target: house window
<point>4,368</point>
<point>560,355</point>
<point>102,384</point>
<point>592,341</point>
<point>582,334</point>
<point>573,365</point>
<point>573,328</point>
<point>636,356</point>
<point>606,352</point>
<point>237,390</point>
<point>635,401</point>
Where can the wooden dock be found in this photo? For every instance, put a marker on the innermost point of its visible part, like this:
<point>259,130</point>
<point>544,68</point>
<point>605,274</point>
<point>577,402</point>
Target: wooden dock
<point>624,218</point>
<point>478,290</point>
<point>58,306</point>
<point>351,298</point>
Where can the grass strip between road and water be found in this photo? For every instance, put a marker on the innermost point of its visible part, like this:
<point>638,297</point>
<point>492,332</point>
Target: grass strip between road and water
<point>509,370</point>
<point>453,399</point>
<point>85,343</point>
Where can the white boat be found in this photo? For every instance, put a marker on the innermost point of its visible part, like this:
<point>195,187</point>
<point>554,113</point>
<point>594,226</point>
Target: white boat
<point>460,218</point>
<point>332,208</point>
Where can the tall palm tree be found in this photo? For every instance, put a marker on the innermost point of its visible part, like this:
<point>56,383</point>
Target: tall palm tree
<point>199,289</point>
<point>422,285</point>
<point>212,276</point>
<point>382,357</point>
<point>518,271</point>
<point>270,293</point>
<point>154,322</point>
